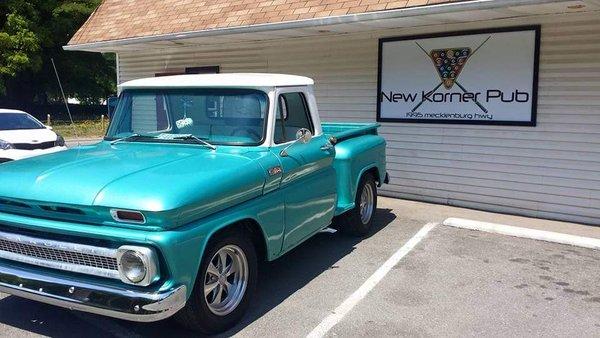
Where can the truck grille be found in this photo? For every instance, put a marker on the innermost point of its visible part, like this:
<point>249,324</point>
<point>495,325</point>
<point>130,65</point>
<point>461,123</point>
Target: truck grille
<point>33,146</point>
<point>66,256</point>
<point>59,255</point>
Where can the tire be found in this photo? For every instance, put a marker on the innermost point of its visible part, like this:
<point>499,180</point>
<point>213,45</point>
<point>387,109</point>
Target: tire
<point>198,315</point>
<point>352,222</point>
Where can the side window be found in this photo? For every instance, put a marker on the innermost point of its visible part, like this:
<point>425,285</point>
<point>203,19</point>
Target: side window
<point>292,114</point>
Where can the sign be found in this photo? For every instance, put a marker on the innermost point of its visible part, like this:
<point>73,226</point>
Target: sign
<point>470,77</point>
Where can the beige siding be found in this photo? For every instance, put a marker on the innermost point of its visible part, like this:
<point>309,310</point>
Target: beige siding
<point>143,117</point>
<point>552,170</point>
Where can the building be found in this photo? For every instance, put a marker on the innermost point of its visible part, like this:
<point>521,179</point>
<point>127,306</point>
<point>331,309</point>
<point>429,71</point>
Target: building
<point>537,155</point>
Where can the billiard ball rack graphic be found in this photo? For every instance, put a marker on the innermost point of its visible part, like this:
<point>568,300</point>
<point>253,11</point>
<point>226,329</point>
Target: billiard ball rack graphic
<point>449,62</point>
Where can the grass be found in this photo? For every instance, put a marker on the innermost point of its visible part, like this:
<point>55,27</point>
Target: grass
<point>81,129</point>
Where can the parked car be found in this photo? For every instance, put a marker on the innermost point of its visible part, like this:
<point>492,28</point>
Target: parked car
<point>22,136</point>
<point>199,178</point>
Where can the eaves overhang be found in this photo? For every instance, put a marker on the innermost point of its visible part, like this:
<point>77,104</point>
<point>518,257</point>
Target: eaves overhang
<point>362,18</point>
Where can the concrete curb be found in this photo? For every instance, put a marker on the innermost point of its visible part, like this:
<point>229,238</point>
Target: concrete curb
<point>548,236</point>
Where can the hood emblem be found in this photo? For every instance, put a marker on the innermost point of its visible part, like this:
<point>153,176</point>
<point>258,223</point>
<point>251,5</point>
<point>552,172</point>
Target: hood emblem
<point>275,171</point>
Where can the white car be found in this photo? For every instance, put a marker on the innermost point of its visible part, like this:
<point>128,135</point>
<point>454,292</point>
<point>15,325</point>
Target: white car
<point>22,135</point>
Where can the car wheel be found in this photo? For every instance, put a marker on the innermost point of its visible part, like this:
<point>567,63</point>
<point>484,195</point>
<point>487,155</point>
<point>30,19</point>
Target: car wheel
<point>224,286</point>
<point>359,220</point>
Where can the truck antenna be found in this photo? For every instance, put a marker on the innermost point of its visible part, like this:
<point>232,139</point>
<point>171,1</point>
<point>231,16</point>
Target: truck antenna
<point>66,102</point>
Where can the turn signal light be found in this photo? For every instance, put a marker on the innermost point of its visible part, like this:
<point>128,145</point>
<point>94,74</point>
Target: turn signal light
<point>128,216</point>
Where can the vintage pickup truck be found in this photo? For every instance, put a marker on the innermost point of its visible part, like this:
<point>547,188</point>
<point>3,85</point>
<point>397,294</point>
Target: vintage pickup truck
<point>198,180</point>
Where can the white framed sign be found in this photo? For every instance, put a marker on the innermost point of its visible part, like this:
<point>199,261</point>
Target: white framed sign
<point>468,77</point>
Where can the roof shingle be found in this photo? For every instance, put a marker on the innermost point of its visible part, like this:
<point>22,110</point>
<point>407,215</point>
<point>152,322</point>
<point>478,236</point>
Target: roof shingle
<point>121,19</point>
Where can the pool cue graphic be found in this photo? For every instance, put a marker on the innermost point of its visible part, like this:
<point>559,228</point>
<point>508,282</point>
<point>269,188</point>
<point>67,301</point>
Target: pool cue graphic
<point>455,80</point>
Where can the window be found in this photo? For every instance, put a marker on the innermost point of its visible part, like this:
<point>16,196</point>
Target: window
<point>190,70</point>
<point>203,70</point>
<point>292,115</point>
<point>235,106</point>
<point>218,115</point>
<point>16,121</point>
<point>148,113</point>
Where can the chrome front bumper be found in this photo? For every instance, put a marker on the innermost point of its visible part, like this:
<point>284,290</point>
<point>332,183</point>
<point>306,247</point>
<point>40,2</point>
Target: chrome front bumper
<point>107,301</point>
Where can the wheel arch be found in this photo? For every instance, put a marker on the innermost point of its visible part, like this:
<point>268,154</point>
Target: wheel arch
<point>188,316</point>
<point>373,170</point>
<point>249,225</point>
<point>244,225</point>
<point>370,169</point>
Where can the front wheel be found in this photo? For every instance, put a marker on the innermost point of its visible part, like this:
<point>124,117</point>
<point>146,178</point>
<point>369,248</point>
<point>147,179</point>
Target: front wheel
<point>359,220</point>
<point>224,286</point>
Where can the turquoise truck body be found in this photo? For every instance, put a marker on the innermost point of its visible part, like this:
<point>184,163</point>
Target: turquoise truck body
<point>187,193</point>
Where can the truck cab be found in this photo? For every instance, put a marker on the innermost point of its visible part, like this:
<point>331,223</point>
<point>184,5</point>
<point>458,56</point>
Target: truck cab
<point>198,179</point>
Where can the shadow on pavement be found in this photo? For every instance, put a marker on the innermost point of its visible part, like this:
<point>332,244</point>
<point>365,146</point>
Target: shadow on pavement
<point>278,280</point>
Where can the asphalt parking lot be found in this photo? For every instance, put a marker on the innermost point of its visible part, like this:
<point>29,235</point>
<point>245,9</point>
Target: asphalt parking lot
<point>454,282</point>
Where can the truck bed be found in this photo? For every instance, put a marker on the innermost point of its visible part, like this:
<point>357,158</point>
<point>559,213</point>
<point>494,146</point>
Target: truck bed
<point>346,130</point>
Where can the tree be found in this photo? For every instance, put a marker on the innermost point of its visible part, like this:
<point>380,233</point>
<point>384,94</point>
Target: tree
<point>18,46</point>
<point>32,33</point>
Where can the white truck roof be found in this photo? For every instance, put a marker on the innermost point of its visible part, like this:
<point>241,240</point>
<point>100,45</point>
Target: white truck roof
<point>236,80</point>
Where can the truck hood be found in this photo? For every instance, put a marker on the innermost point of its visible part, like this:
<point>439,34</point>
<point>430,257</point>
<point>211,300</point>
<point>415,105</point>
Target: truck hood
<point>137,176</point>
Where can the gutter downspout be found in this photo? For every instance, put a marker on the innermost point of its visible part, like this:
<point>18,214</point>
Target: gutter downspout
<point>452,7</point>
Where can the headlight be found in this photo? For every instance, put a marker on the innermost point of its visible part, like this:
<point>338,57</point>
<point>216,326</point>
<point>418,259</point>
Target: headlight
<point>137,265</point>
<point>60,141</point>
<point>133,267</point>
<point>5,145</point>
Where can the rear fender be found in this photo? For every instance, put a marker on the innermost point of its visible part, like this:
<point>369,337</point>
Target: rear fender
<point>353,158</point>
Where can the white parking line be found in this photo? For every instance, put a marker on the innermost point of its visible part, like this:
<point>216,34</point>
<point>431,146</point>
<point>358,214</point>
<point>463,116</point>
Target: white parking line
<point>350,302</point>
<point>541,235</point>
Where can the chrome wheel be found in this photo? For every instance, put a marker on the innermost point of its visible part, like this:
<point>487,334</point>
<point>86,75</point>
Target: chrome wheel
<point>226,280</point>
<point>366,203</point>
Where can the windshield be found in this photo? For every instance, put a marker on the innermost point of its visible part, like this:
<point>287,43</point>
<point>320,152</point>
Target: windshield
<point>13,121</point>
<point>218,116</point>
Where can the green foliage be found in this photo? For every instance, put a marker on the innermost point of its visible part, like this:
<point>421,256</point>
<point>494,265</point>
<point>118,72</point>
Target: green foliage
<point>18,46</point>
<point>32,33</point>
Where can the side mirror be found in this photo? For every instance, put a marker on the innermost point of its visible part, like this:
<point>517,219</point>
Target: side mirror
<point>111,104</point>
<point>303,136</point>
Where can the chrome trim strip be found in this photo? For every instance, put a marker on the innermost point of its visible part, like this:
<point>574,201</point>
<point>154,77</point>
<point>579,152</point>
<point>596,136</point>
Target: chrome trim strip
<point>106,301</point>
<point>57,245</point>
